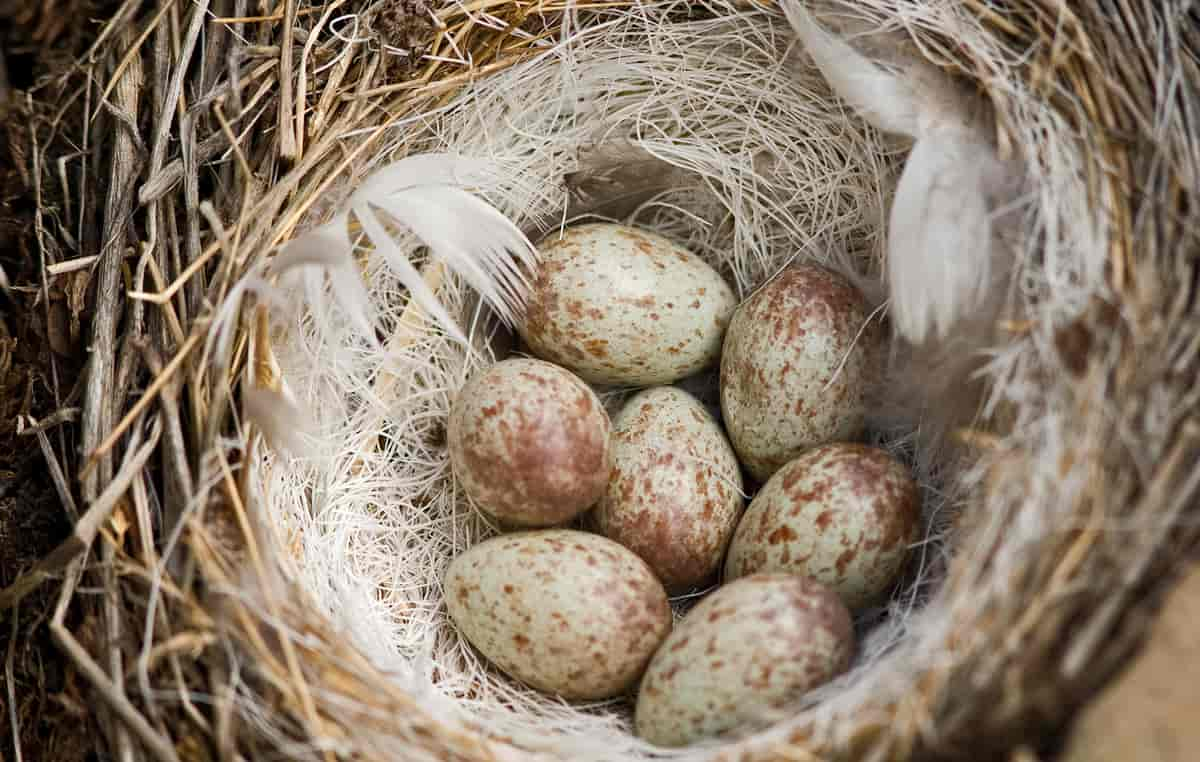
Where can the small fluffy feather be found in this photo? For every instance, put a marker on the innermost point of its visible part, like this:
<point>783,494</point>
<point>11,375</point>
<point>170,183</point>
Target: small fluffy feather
<point>941,248</point>
<point>424,194</point>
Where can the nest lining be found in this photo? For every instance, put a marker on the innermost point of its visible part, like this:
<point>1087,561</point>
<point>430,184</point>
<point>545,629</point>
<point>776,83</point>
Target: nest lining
<point>771,168</point>
<point>769,171</point>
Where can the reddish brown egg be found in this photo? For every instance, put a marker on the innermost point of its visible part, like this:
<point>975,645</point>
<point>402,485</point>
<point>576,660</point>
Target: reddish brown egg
<point>843,514</point>
<point>529,443</point>
<point>674,495</point>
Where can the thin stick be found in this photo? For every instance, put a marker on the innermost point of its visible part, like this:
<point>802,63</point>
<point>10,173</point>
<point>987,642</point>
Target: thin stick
<point>155,387</point>
<point>260,19</point>
<point>158,151</point>
<point>302,83</point>
<point>164,180</point>
<point>58,417</point>
<point>56,475</point>
<point>442,85</point>
<point>99,395</point>
<point>287,135</point>
<point>289,649</point>
<point>11,683</point>
<point>174,325</point>
<point>179,475</point>
<point>72,265</point>
<point>192,269</point>
<point>183,641</point>
<point>86,529</point>
<point>115,23</point>
<point>330,91</point>
<point>234,143</point>
<point>161,747</point>
<point>133,51</point>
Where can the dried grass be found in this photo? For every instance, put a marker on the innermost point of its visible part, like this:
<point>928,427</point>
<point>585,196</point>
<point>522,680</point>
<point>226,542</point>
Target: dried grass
<point>217,130</point>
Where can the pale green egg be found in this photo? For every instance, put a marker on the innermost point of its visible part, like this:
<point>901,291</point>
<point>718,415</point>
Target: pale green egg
<point>566,612</point>
<point>623,306</point>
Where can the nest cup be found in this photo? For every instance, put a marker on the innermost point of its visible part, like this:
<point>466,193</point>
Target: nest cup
<point>987,181</point>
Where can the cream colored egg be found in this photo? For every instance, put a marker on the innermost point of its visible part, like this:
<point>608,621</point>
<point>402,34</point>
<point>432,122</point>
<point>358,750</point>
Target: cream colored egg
<point>623,306</point>
<point>567,612</point>
<point>798,363</point>
<point>529,443</point>
<point>746,649</point>
<point>844,514</point>
<point>674,493</point>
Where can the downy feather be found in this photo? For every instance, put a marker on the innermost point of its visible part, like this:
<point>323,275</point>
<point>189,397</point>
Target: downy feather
<point>282,422</point>
<point>940,246</point>
<point>424,194</point>
<point>615,177</point>
<point>219,340</point>
<point>330,248</point>
<point>882,98</point>
<point>939,238</point>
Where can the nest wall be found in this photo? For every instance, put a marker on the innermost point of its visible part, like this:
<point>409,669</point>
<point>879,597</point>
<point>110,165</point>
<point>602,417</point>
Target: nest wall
<point>278,595</point>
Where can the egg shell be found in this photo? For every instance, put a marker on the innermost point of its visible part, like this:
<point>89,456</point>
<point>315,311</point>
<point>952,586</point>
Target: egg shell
<point>844,514</point>
<point>622,306</point>
<point>529,443</point>
<point>566,612</point>
<point>674,493</point>
<point>797,367</point>
<point>747,648</point>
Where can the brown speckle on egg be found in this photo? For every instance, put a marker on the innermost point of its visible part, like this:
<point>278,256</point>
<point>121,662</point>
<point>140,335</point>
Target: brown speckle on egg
<point>797,366</point>
<point>529,443</point>
<point>779,636</point>
<point>674,493</point>
<point>845,514</point>
<point>548,618</point>
<point>623,306</point>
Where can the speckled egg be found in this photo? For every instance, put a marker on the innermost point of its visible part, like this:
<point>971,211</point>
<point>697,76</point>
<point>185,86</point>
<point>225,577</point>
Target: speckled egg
<point>844,514</point>
<point>797,367</point>
<point>674,493</point>
<point>529,443</point>
<point>749,647</point>
<point>623,306</point>
<point>566,612</point>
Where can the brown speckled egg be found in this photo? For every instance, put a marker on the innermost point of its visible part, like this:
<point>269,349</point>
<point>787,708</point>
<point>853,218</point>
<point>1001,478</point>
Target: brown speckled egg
<point>623,306</point>
<point>674,494</point>
<point>747,648</point>
<point>566,612</point>
<point>529,443</point>
<point>795,372</point>
<point>844,514</point>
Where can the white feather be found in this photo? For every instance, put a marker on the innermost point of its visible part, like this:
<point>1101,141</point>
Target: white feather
<point>330,248</point>
<point>282,422</point>
<point>409,276</point>
<point>483,255</point>
<point>219,341</point>
<point>939,237</point>
<point>882,98</point>
<point>940,244</point>
<point>423,193</point>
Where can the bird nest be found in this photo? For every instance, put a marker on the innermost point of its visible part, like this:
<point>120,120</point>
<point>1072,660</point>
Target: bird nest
<point>262,493</point>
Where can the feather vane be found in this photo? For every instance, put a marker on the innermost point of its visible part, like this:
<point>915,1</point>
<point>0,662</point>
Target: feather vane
<point>940,245</point>
<point>423,193</point>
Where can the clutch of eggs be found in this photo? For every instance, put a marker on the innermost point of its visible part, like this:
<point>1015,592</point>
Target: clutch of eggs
<point>613,515</point>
